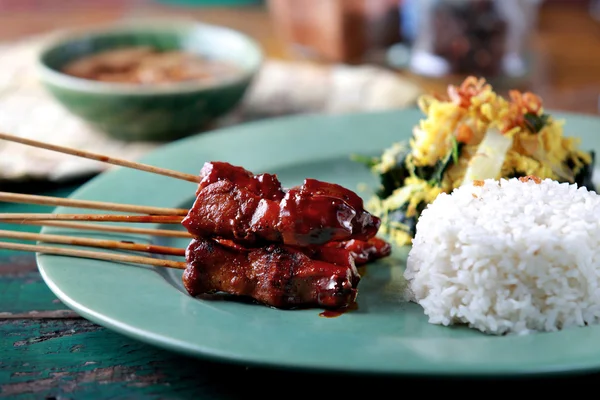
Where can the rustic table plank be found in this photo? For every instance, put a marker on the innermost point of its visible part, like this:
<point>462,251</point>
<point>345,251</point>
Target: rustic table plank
<point>23,293</point>
<point>71,359</point>
<point>27,208</point>
<point>76,358</point>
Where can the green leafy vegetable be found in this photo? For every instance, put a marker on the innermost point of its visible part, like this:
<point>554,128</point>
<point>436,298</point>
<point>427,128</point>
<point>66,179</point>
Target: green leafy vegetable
<point>392,179</point>
<point>535,122</point>
<point>442,165</point>
<point>390,168</point>
<point>584,177</point>
<point>399,216</point>
<point>455,151</point>
<point>367,161</point>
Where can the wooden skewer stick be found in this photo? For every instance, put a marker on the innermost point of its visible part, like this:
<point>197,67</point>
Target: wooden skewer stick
<point>102,158</point>
<point>106,244</point>
<point>93,255</point>
<point>107,228</point>
<point>98,205</point>
<point>162,219</point>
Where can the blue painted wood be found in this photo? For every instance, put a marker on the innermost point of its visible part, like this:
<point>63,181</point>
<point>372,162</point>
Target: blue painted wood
<point>22,290</point>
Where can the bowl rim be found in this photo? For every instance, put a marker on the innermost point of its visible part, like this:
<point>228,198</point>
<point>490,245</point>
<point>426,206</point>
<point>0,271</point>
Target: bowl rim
<point>59,38</point>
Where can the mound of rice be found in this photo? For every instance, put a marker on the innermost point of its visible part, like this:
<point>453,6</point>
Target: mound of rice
<point>509,257</point>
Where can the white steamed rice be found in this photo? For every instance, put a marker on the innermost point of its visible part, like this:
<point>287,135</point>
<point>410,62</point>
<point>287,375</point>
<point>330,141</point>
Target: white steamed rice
<point>509,257</point>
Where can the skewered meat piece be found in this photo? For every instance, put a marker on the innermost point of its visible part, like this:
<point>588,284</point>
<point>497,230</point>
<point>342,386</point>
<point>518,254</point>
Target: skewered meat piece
<point>291,248</point>
<point>318,212</point>
<point>351,253</point>
<point>266,186</point>
<point>337,255</point>
<point>364,251</point>
<point>364,225</point>
<point>224,210</point>
<point>276,275</point>
<point>311,214</point>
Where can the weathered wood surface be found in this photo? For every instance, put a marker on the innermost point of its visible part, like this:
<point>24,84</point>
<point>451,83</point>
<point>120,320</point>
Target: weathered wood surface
<point>73,359</point>
<point>23,294</point>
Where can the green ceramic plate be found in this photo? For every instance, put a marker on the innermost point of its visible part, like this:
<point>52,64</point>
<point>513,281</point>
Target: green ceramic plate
<point>384,335</point>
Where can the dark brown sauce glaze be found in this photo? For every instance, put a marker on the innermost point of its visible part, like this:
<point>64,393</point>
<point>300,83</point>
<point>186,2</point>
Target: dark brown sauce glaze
<point>253,210</point>
<point>336,313</point>
<point>285,248</point>
<point>278,276</point>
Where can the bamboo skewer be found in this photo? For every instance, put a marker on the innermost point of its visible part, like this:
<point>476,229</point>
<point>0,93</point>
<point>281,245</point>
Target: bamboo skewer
<point>107,228</point>
<point>155,215</point>
<point>93,255</point>
<point>107,244</point>
<point>102,158</point>
<point>98,205</point>
<point>163,219</point>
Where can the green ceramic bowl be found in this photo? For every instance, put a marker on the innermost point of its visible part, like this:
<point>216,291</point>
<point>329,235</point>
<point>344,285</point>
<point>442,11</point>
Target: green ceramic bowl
<point>150,112</point>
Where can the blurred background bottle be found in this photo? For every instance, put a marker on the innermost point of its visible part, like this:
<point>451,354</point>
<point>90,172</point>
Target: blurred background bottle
<point>434,38</point>
<point>488,38</point>
<point>346,31</point>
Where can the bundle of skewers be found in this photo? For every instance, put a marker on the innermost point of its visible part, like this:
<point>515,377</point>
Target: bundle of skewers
<point>249,236</point>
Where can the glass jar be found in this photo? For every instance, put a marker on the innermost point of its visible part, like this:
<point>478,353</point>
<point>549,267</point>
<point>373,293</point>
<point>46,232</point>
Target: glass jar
<point>486,38</point>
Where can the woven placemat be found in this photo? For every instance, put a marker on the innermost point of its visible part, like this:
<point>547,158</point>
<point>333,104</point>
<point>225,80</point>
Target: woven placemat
<point>281,88</point>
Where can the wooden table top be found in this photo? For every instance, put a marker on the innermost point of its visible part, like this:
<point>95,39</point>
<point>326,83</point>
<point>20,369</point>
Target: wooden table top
<point>47,351</point>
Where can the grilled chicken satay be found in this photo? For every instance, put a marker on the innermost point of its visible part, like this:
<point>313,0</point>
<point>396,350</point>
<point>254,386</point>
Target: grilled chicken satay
<point>266,186</point>
<point>364,251</point>
<point>345,252</point>
<point>364,225</point>
<point>275,275</point>
<point>350,253</point>
<point>291,248</point>
<point>311,214</point>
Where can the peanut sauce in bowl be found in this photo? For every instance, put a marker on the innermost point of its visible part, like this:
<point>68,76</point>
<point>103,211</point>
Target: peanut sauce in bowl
<point>150,80</point>
<point>147,65</point>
